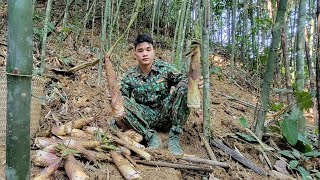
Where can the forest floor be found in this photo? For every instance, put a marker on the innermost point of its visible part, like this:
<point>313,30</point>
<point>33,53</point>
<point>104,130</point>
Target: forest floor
<point>83,97</point>
<point>86,99</point>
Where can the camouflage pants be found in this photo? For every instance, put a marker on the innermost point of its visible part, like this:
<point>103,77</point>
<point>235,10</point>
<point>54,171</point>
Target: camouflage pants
<point>173,113</point>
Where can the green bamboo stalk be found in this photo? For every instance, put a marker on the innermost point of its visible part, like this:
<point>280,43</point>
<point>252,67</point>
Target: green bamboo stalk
<point>104,44</point>
<point>66,14</point>
<point>318,68</point>
<point>181,34</point>
<point>44,38</point>
<point>300,60</point>
<point>19,71</point>
<point>93,22</point>
<point>233,51</point>
<point>155,3</point>
<point>268,76</point>
<point>205,70</point>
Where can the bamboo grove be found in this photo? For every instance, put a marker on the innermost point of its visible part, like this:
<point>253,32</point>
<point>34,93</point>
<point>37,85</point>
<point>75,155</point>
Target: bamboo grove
<point>276,42</point>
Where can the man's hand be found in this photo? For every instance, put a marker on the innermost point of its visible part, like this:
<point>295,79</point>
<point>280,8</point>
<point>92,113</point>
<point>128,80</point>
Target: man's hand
<point>200,85</point>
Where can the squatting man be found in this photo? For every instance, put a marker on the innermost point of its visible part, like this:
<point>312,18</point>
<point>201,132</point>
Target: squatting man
<point>150,106</point>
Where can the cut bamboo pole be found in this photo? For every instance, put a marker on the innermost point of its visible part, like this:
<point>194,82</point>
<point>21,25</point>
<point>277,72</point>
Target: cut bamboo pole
<point>193,98</point>
<point>124,166</point>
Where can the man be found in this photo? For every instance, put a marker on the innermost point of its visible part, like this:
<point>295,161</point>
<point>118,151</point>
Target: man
<point>149,100</point>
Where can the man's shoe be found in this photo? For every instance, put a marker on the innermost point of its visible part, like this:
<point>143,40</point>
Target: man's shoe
<point>174,143</point>
<point>153,140</point>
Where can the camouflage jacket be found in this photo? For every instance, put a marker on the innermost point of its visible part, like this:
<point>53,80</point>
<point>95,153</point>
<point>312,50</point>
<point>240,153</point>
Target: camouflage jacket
<point>151,90</point>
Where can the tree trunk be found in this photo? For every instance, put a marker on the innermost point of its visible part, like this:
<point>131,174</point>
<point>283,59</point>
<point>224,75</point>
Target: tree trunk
<point>19,72</point>
<point>267,80</point>
<point>205,70</point>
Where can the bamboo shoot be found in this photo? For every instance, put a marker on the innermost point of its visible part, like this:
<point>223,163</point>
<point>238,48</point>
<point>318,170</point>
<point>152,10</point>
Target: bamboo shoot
<point>194,78</point>
<point>124,166</point>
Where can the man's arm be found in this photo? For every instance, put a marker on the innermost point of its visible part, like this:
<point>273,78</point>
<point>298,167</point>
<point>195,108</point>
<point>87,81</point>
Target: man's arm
<point>125,87</point>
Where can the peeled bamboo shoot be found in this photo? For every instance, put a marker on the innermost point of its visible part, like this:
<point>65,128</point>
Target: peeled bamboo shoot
<point>74,170</point>
<point>48,171</point>
<point>134,135</point>
<point>194,78</point>
<point>124,166</point>
<point>114,90</point>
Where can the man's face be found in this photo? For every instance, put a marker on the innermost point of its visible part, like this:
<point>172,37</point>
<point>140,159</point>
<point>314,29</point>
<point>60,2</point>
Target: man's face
<point>144,53</point>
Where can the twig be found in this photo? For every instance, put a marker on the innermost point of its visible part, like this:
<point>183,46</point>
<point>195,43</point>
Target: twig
<point>208,148</point>
<point>175,165</point>
<point>263,145</point>
<point>218,143</point>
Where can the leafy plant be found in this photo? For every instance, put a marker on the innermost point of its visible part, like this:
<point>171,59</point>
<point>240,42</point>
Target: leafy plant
<point>297,159</point>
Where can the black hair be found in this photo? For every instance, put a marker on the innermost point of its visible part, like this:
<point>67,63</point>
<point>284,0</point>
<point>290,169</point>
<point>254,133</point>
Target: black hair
<point>143,38</point>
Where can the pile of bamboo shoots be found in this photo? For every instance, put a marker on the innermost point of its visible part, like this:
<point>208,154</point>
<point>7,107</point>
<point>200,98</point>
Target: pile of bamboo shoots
<point>76,141</point>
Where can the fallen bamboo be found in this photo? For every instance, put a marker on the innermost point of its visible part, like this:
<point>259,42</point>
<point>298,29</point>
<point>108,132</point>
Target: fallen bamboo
<point>238,100</point>
<point>234,154</point>
<point>176,165</point>
<point>74,170</point>
<point>205,161</point>
<point>48,171</point>
<point>124,166</point>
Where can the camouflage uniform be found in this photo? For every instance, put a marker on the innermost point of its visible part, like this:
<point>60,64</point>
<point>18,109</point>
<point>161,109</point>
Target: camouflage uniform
<point>148,101</point>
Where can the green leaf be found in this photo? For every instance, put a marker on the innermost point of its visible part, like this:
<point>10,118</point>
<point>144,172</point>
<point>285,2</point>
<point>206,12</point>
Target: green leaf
<point>244,122</point>
<point>293,164</point>
<point>276,106</point>
<point>318,175</point>
<point>304,100</point>
<point>289,130</point>
<point>246,137</point>
<point>296,153</point>
<point>312,154</point>
<point>287,153</point>
<point>304,173</point>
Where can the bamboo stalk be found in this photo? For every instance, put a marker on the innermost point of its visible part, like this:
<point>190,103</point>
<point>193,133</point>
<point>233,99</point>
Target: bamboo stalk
<point>124,166</point>
<point>208,148</point>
